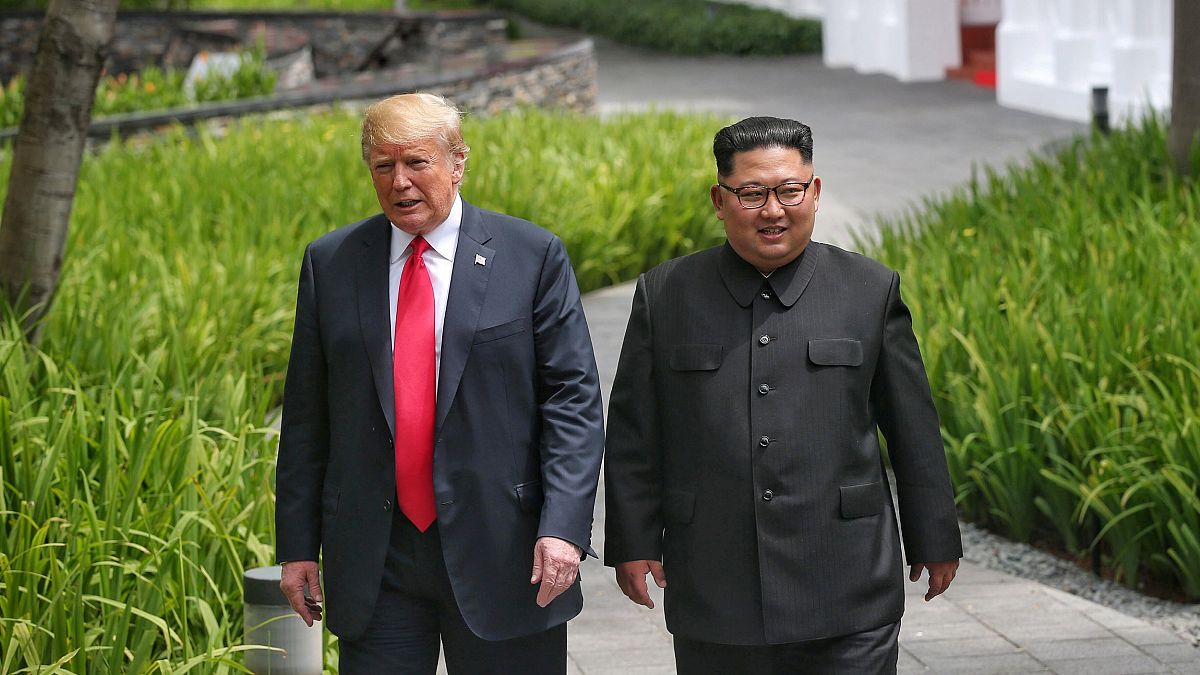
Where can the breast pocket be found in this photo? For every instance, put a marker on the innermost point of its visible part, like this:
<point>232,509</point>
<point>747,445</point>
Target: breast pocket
<point>501,331</point>
<point>695,357</point>
<point>835,352</point>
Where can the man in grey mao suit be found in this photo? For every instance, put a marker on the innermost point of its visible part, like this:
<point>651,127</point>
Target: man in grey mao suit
<point>485,559</point>
<point>743,469</point>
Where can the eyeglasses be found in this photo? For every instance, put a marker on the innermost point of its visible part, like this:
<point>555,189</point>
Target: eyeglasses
<point>755,196</point>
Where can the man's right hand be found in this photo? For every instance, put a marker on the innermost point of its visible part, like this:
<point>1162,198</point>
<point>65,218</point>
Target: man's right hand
<point>296,576</point>
<point>631,577</point>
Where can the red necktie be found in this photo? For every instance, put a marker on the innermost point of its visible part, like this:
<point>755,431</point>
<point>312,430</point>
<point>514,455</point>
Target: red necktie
<point>414,383</point>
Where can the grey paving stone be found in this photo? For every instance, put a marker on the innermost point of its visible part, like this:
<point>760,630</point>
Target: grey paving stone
<point>1114,665</point>
<point>1145,634</point>
<point>1077,629</point>
<point>591,660</point>
<point>958,630</point>
<point>1192,668</point>
<point>941,649</point>
<point>907,664</point>
<point>1059,650</point>
<point>999,664</point>
<point>1176,653</point>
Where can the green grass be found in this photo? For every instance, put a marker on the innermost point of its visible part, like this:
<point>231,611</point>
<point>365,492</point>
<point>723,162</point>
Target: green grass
<point>136,465</point>
<point>1057,307</point>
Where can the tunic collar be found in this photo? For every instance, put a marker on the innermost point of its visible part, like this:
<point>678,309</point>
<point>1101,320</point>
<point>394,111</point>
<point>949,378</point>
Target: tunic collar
<point>788,282</point>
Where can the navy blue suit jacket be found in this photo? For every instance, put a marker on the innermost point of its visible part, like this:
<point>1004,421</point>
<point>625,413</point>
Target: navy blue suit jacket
<point>518,430</point>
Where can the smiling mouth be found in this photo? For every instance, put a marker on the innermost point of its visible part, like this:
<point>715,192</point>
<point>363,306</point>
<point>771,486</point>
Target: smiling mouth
<point>408,203</point>
<point>772,230</point>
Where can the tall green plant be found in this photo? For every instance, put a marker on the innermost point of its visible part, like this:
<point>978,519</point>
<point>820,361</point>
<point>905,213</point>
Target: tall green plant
<point>1056,303</point>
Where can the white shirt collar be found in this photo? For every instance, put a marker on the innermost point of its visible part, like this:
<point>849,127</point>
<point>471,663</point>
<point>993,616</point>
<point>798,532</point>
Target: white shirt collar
<point>443,239</point>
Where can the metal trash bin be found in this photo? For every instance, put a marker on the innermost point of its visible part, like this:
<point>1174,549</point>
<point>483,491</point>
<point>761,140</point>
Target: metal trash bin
<point>270,622</point>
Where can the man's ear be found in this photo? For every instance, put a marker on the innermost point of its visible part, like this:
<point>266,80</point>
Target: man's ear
<point>459,161</point>
<point>815,192</point>
<point>718,200</point>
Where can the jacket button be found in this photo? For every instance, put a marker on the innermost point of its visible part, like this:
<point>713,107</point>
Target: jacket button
<point>387,505</point>
<point>764,389</point>
<point>764,339</point>
<point>764,441</point>
<point>390,441</point>
<point>765,295</point>
<point>768,495</point>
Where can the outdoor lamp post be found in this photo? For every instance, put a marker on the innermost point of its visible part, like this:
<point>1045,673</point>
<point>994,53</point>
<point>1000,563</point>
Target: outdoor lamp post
<point>270,622</point>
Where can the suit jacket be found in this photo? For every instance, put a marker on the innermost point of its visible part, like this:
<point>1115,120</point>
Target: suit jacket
<point>518,428</point>
<point>743,451</point>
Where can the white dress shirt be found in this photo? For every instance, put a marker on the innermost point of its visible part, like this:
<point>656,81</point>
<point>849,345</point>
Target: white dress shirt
<point>439,260</point>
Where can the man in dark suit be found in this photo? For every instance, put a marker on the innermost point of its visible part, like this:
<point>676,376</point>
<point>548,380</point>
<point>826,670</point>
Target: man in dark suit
<point>743,469</point>
<point>448,482</point>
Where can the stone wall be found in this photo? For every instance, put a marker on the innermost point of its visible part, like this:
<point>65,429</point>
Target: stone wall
<point>340,43</point>
<point>565,80</point>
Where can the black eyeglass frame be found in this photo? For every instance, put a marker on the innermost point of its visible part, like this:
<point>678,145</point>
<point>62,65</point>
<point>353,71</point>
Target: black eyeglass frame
<point>737,192</point>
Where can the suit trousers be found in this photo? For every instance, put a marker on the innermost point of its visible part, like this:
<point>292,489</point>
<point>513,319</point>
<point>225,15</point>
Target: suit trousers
<point>871,652</point>
<point>416,609</point>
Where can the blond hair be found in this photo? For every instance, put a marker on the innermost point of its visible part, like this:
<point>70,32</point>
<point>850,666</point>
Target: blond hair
<point>406,118</point>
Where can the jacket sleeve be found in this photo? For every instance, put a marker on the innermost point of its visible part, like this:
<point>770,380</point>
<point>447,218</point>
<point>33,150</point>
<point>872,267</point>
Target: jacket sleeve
<point>633,463</point>
<point>572,411</point>
<point>304,432</point>
<point>908,419</point>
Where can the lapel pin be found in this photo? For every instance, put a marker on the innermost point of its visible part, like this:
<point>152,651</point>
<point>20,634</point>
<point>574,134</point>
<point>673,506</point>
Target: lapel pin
<point>480,260</point>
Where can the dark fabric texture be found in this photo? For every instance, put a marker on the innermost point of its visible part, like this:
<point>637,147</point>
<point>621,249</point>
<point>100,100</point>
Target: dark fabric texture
<point>518,426</point>
<point>870,652</point>
<point>743,447</point>
<point>416,609</point>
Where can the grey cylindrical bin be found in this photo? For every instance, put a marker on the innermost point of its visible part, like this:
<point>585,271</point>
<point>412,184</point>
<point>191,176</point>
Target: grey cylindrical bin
<point>271,622</point>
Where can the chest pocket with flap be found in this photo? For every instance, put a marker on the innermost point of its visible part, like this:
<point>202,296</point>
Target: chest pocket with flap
<point>836,352</point>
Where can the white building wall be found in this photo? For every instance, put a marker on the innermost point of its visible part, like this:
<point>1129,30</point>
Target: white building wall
<point>1050,53</point>
<point>911,40</point>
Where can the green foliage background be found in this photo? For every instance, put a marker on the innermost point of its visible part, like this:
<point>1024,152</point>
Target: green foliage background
<point>681,26</point>
<point>1057,307</point>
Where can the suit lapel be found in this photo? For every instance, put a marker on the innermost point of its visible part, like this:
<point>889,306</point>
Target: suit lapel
<point>373,312</point>
<point>468,287</point>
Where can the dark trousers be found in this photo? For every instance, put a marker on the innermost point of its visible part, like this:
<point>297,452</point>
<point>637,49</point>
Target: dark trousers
<point>416,609</point>
<point>870,652</point>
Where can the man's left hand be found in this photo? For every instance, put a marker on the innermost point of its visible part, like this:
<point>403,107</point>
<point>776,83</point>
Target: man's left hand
<point>940,576</point>
<point>555,567</point>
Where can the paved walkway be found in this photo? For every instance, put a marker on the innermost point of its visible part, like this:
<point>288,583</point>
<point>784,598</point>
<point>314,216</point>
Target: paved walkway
<point>879,147</point>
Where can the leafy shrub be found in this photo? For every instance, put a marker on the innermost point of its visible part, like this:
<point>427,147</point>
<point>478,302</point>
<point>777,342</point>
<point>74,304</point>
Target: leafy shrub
<point>681,26</point>
<point>1057,309</point>
<point>154,89</point>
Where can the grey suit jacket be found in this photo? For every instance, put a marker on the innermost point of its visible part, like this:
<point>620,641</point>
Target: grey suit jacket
<point>518,428</point>
<point>743,450</point>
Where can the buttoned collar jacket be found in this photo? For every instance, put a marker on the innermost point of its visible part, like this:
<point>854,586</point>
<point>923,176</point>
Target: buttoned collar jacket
<point>743,446</point>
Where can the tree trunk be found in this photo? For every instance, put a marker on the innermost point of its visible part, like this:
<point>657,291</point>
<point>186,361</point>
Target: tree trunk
<point>49,149</point>
<point>1185,84</point>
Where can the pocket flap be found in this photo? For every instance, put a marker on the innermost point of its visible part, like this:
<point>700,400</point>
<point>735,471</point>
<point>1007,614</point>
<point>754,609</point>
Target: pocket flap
<point>862,500</point>
<point>530,495</point>
<point>678,507</point>
<point>695,357</point>
<point>837,352</point>
<point>501,331</point>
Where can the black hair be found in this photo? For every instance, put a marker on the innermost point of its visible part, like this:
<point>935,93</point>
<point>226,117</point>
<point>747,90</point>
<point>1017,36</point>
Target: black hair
<point>760,132</point>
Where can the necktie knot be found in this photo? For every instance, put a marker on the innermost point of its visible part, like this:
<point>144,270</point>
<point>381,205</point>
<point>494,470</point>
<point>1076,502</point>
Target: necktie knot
<point>419,246</point>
